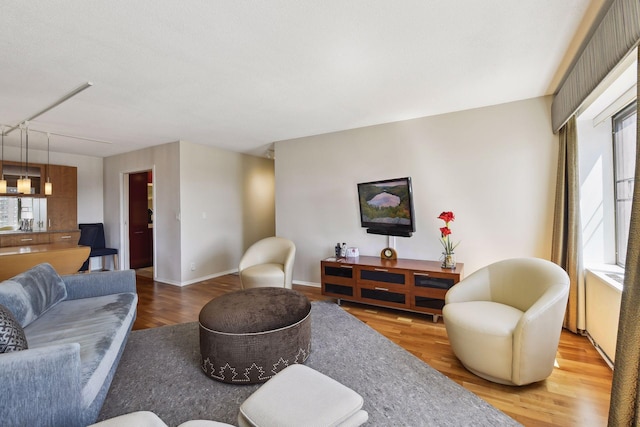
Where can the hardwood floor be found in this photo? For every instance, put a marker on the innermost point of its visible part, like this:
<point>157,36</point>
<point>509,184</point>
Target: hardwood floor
<point>576,394</point>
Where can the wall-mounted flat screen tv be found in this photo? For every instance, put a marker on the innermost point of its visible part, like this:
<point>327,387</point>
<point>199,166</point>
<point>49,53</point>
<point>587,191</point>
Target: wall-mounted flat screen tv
<point>386,207</point>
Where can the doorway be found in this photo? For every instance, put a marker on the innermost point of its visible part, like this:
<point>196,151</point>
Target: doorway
<point>141,221</point>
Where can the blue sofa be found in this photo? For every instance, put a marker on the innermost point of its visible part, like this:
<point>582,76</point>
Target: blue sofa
<point>76,328</point>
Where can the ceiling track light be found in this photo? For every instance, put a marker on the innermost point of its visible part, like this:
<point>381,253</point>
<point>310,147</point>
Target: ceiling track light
<point>101,141</point>
<point>55,104</point>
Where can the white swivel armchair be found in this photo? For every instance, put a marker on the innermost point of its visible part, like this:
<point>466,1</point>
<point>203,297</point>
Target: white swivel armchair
<point>504,320</point>
<point>268,262</point>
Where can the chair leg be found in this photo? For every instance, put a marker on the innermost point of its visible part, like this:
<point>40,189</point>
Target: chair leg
<point>115,262</point>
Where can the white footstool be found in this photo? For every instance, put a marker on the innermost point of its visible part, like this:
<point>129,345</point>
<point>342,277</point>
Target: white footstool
<point>138,419</point>
<point>300,396</point>
<point>149,419</point>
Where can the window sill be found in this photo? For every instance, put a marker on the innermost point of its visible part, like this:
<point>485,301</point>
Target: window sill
<point>611,274</point>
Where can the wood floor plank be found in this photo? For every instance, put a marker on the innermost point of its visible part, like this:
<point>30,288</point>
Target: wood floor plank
<point>576,394</point>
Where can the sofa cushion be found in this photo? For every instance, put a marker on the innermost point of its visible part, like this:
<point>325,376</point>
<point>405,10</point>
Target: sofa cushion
<point>11,333</point>
<point>100,325</point>
<point>30,294</point>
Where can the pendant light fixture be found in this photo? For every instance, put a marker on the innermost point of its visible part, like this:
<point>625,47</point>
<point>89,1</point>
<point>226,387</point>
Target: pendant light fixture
<point>27,180</point>
<point>3,182</point>
<point>19,185</point>
<point>48,187</point>
<point>24,184</point>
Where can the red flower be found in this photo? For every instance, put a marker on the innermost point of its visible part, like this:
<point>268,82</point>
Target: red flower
<point>447,217</point>
<point>445,232</point>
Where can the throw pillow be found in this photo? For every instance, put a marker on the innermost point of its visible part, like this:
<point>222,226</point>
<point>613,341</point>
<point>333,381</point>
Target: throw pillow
<point>12,336</point>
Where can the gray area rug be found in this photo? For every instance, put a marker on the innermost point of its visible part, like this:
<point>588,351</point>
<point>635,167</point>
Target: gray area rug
<point>160,372</point>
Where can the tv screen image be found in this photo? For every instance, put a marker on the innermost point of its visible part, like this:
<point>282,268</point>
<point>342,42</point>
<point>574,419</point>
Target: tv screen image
<point>386,207</point>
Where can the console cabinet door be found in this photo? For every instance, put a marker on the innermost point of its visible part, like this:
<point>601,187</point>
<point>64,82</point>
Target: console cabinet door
<point>429,290</point>
<point>382,295</point>
<point>338,280</point>
<point>388,277</point>
<point>383,286</point>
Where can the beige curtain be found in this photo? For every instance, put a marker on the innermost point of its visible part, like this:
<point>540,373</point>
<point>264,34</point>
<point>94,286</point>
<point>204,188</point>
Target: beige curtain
<point>566,250</point>
<point>625,405</point>
<point>614,35</point>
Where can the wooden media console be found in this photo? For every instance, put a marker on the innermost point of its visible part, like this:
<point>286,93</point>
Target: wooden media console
<point>405,284</point>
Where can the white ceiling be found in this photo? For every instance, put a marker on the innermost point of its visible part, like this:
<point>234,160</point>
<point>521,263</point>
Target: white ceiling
<point>241,74</point>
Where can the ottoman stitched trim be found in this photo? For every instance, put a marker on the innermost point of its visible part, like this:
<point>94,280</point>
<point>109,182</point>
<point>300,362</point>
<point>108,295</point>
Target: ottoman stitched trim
<point>256,333</point>
<point>245,377</point>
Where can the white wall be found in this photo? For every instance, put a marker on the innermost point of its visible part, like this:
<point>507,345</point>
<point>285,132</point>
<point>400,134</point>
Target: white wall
<point>164,160</point>
<point>210,209</point>
<point>210,204</point>
<point>494,167</point>
<point>226,201</point>
<point>258,203</point>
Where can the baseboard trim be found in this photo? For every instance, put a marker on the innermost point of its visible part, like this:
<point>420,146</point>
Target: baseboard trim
<point>604,356</point>
<point>303,283</point>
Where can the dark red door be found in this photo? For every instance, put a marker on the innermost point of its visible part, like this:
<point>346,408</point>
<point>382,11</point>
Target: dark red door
<point>140,233</point>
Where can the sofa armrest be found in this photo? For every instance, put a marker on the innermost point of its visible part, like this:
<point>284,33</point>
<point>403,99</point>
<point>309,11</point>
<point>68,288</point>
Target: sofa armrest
<point>100,284</point>
<point>41,386</point>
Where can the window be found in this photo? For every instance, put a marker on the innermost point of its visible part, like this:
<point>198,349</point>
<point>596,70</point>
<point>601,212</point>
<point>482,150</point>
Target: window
<point>624,157</point>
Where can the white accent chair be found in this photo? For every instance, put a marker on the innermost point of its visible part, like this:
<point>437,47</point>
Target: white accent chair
<point>268,262</point>
<point>504,320</point>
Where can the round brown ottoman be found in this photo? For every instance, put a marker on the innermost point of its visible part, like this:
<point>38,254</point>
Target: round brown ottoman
<point>248,336</point>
